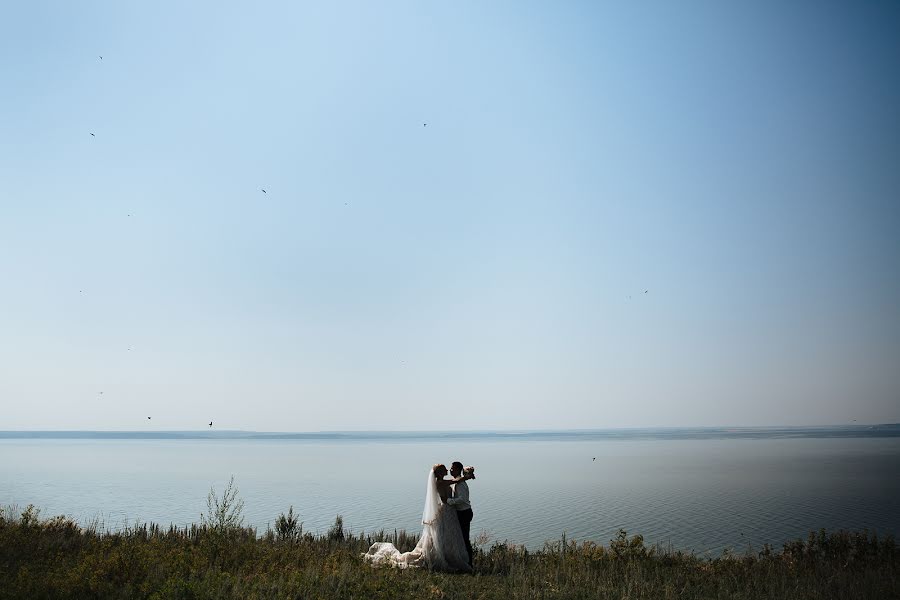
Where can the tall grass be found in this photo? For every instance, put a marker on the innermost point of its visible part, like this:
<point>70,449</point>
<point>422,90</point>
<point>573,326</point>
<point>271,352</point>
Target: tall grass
<point>57,558</point>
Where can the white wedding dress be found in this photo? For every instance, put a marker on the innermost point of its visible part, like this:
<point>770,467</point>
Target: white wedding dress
<point>441,546</point>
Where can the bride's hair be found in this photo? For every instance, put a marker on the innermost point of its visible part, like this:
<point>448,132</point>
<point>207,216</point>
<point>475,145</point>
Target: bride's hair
<point>437,467</point>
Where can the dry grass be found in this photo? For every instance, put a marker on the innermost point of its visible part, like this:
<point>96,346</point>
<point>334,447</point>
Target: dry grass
<point>57,558</point>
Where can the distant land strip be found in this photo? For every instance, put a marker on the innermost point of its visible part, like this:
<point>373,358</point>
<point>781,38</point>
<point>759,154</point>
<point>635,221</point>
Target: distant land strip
<point>888,430</point>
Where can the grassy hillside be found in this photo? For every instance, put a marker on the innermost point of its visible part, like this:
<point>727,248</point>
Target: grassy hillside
<point>57,558</point>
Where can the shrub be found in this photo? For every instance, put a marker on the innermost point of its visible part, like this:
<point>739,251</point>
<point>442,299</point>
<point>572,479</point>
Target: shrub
<point>336,531</point>
<point>287,528</point>
<point>223,514</point>
<point>633,548</point>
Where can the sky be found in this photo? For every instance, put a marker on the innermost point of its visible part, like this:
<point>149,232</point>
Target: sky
<point>477,215</point>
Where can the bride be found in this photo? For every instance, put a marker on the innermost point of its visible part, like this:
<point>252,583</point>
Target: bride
<point>441,546</point>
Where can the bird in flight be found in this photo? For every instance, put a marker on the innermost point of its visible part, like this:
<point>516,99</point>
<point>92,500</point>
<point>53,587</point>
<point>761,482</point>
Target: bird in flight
<point>148,418</point>
<point>92,135</point>
<point>101,58</point>
<point>424,124</point>
<point>210,423</point>
<point>645,291</point>
<point>595,458</point>
<point>264,191</point>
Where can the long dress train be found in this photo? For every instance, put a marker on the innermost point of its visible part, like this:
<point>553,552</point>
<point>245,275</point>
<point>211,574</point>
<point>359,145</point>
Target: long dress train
<point>441,546</point>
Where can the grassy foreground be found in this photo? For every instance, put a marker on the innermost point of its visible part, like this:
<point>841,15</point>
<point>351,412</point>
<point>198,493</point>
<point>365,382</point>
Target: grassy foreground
<point>57,558</point>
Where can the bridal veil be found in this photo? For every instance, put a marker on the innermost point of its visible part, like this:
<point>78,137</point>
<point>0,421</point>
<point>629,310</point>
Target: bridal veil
<point>438,547</point>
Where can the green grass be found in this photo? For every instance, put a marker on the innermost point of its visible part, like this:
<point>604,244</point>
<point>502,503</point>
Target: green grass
<point>57,558</point>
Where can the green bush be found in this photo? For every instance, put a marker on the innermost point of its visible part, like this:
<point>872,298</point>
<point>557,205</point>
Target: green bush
<point>287,529</point>
<point>225,513</point>
<point>336,531</point>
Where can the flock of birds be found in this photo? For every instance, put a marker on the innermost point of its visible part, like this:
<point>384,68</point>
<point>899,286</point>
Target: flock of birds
<point>149,418</point>
<point>93,135</point>
<point>263,190</point>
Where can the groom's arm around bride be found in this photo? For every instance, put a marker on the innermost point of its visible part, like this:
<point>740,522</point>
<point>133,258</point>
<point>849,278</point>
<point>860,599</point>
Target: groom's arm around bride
<point>459,500</point>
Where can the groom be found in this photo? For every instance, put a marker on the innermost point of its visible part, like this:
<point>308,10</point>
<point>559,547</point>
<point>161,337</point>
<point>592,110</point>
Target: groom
<point>460,501</point>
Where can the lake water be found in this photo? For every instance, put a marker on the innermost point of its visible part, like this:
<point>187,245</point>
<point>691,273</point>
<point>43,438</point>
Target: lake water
<point>695,494</point>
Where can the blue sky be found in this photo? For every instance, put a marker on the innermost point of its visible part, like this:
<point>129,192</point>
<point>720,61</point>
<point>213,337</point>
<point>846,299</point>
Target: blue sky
<point>465,203</point>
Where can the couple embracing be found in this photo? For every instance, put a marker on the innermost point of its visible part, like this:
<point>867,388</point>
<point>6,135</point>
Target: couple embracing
<point>444,544</point>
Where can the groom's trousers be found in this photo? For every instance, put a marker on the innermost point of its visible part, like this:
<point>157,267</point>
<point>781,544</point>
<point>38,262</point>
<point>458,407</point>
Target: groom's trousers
<point>465,521</point>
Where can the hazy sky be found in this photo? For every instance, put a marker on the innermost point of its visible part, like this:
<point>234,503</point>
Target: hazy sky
<point>630,214</point>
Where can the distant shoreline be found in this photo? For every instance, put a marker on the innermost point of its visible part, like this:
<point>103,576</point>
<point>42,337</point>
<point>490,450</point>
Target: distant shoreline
<point>889,430</point>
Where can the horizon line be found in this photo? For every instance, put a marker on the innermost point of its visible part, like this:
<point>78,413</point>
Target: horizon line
<point>479,430</point>
<point>880,430</point>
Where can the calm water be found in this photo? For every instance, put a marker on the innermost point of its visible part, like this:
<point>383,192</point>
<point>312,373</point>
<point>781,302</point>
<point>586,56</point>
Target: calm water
<point>695,494</point>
